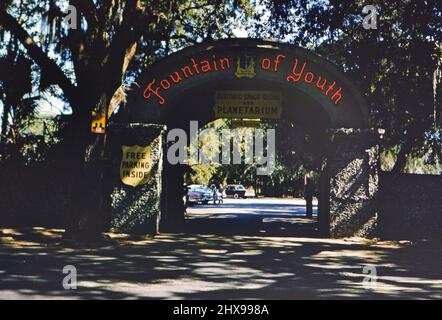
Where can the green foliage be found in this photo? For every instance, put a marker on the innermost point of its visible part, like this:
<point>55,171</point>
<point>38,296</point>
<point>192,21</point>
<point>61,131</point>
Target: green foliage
<point>393,65</point>
<point>420,165</point>
<point>42,53</point>
<point>294,158</point>
<point>25,135</point>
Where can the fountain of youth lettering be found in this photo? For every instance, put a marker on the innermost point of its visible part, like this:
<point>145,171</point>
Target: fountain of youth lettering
<point>195,84</point>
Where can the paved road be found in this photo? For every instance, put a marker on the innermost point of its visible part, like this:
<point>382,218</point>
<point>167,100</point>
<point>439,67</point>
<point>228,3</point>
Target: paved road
<point>240,250</point>
<point>262,216</point>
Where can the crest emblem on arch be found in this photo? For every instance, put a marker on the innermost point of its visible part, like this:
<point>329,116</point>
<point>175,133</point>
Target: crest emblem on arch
<point>136,165</point>
<point>245,66</point>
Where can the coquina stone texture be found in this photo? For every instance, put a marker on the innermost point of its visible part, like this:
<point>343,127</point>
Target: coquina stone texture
<point>410,206</point>
<point>350,184</point>
<point>135,210</point>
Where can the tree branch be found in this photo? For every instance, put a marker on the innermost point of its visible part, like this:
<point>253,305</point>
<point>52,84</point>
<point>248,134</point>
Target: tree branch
<point>47,65</point>
<point>124,43</point>
<point>89,11</point>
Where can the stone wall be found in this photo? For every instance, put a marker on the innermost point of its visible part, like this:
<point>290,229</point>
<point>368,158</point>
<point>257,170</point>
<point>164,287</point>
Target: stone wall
<point>410,206</point>
<point>37,195</point>
<point>349,184</point>
<point>134,209</point>
<point>355,198</point>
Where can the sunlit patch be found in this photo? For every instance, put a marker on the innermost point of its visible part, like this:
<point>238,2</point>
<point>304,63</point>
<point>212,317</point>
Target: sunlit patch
<point>366,255</point>
<point>247,253</point>
<point>11,232</point>
<point>213,251</point>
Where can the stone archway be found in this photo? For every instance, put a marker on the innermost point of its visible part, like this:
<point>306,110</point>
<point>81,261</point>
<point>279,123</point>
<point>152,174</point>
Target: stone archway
<point>183,87</point>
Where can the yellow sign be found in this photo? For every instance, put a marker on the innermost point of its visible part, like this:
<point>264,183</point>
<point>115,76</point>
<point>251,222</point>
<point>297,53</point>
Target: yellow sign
<point>98,122</point>
<point>245,67</point>
<point>248,104</point>
<point>245,123</point>
<point>136,165</point>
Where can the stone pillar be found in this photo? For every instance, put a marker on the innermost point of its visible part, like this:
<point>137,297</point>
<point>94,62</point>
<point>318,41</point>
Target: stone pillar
<point>350,184</point>
<point>173,209</point>
<point>134,164</point>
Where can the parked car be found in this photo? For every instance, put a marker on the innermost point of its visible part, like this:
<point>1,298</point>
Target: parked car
<point>198,194</point>
<point>235,190</point>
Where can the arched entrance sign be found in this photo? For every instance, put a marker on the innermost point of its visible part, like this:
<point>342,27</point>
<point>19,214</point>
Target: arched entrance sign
<point>197,83</point>
<point>201,71</point>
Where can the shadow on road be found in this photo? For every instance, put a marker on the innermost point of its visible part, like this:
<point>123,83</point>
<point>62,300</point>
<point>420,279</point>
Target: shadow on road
<point>182,266</point>
<point>254,252</point>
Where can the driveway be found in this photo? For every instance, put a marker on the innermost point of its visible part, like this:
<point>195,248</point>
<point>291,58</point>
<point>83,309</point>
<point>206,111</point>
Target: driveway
<point>244,249</point>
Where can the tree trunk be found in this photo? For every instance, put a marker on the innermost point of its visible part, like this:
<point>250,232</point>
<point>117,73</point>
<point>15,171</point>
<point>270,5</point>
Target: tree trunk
<point>414,131</point>
<point>402,157</point>
<point>5,118</point>
<point>87,219</point>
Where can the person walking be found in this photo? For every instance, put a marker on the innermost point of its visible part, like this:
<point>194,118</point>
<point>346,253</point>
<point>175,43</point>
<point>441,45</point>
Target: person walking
<point>308,196</point>
<point>215,193</point>
<point>221,194</point>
